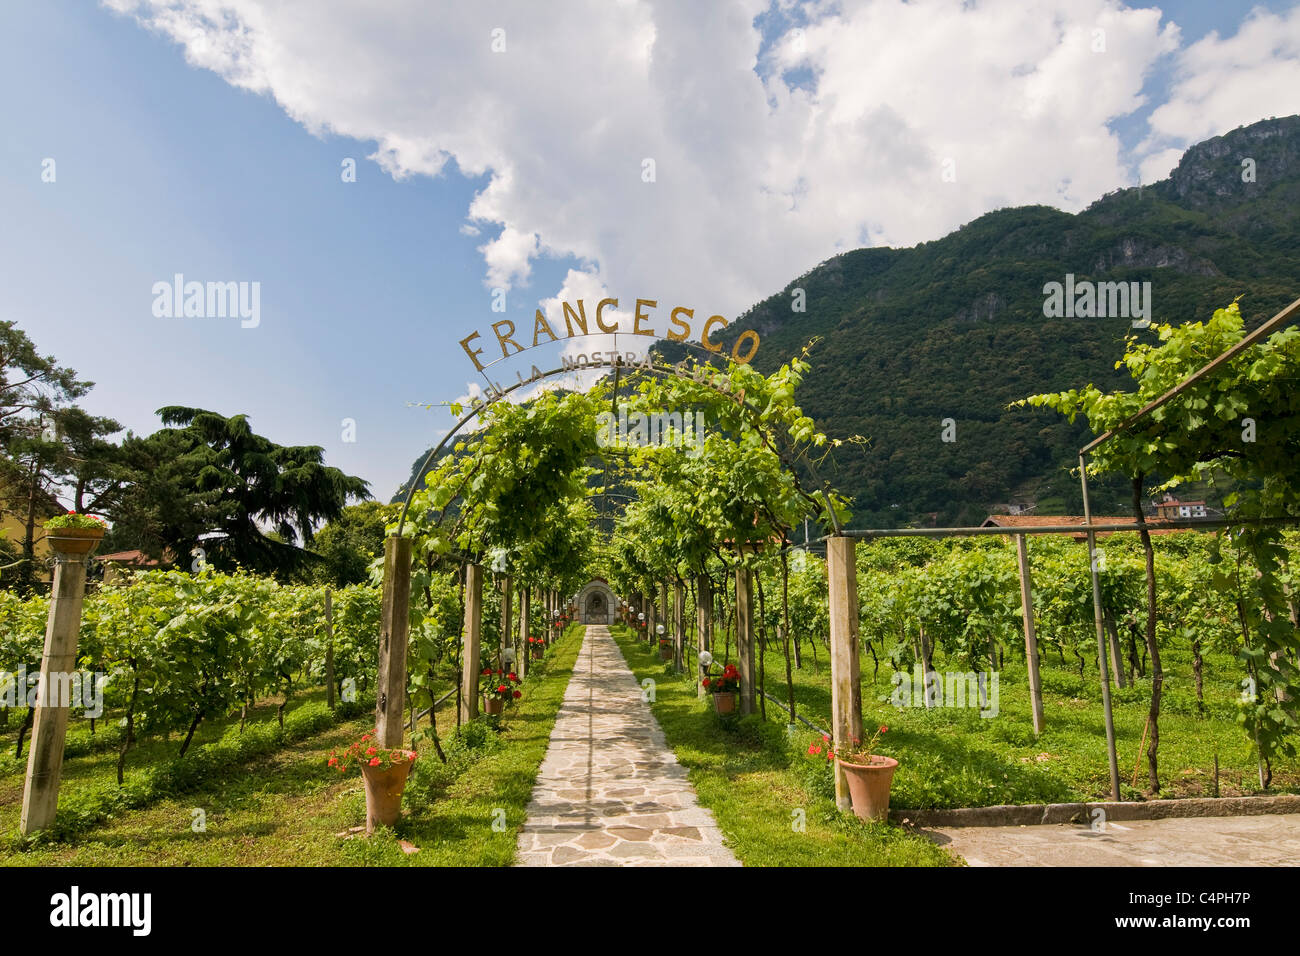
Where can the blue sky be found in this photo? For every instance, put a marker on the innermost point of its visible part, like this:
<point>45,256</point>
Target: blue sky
<point>165,166</point>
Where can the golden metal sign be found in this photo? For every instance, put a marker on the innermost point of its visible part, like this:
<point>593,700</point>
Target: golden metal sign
<point>576,322</point>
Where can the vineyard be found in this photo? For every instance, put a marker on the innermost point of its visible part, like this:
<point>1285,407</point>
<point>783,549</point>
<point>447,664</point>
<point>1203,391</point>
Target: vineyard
<point>954,606</point>
<point>1170,651</point>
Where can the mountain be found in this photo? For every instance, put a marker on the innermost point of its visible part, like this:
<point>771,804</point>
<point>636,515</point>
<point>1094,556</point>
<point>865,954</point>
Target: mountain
<point>956,329</point>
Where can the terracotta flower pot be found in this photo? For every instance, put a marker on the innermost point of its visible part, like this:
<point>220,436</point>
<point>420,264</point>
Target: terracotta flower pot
<point>869,786</point>
<point>74,540</point>
<point>724,702</point>
<point>493,705</point>
<point>537,652</point>
<point>384,793</point>
<point>665,653</point>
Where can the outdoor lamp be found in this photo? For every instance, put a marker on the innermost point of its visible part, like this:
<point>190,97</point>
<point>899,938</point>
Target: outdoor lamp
<point>641,616</point>
<point>659,629</point>
<point>508,655</point>
<point>706,659</point>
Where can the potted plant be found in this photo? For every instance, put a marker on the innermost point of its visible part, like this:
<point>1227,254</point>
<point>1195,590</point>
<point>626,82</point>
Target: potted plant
<point>498,688</point>
<point>384,770</point>
<point>724,689</point>
<point>868,775</point>
<point>537,647</point>
<point>665,649</point>
<point>74,533</point>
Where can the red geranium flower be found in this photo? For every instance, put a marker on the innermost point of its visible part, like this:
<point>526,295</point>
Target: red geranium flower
<point>501,688</point>
<point>374,761</point>
<point>518,694</point>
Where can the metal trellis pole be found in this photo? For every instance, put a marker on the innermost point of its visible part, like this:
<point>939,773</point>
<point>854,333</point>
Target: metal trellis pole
<point>1101,633</point>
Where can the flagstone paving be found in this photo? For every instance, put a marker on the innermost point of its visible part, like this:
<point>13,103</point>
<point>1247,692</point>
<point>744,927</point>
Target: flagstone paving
<point>610,792</point>
<point>1264,840</point>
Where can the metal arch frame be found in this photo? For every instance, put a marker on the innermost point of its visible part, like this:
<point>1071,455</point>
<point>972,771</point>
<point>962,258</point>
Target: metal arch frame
<point>652,367</point>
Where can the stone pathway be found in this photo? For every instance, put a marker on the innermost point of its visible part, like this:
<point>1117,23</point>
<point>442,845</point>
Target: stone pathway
<point>610,792</point>
<point>1265,840</point>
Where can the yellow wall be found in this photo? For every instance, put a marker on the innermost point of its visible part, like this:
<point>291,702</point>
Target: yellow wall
<point>14,531</point>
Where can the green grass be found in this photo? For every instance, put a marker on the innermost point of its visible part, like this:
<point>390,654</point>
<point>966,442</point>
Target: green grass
<point>952,757</point>
<point>759,787</point>
<point>285,807</point>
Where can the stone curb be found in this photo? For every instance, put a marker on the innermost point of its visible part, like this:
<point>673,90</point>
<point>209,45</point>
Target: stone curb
<point>1039,814</point>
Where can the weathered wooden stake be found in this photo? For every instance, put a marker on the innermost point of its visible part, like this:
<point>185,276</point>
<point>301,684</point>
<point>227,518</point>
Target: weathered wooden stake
<point>665,615</point>
<point>394,626</point>
<point>505,616</point>
<point>470,664</point>
<point>521,656</point>
<point>50,728</point>
<point>679,624</point>
<point>703,624</point>
<point>1031,641</point>
<point>846,689</point>
<point>329,648</point>
<point>745,639</point>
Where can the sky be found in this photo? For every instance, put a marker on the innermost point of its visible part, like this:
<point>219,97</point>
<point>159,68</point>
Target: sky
<point>510,155</point>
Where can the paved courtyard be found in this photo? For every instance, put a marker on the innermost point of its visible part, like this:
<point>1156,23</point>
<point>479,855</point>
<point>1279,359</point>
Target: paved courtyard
<point>610,792</point>
<point>1266,840</point>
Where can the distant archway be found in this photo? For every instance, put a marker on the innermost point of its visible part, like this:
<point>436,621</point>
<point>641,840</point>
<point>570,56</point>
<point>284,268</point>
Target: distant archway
<point>597,604</point>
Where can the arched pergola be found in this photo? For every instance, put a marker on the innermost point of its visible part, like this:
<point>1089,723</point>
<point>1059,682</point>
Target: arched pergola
<point>397,557</point>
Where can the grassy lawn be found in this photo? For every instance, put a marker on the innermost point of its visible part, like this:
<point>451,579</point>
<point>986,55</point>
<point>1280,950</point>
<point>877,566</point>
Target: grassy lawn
<point>285,807</point>
<point>760,788</point>
<point>953,757</point>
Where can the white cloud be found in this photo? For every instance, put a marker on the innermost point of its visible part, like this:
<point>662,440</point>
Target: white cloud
<point>756,179</point>
<point>1222,83</point>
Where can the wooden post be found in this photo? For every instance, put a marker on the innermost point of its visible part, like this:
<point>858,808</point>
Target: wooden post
<point>745,638</point>
<point>846,689</point>
<point>703,623</point>
<point>1031,641</point>
<point>329,647</point>
<point>506,598</point>
<point>665,615</point>
<point>521,655</point>
<point>394,626</point>
<point>470,664</point>
<point>50,727</point>
<point>679,624</point>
